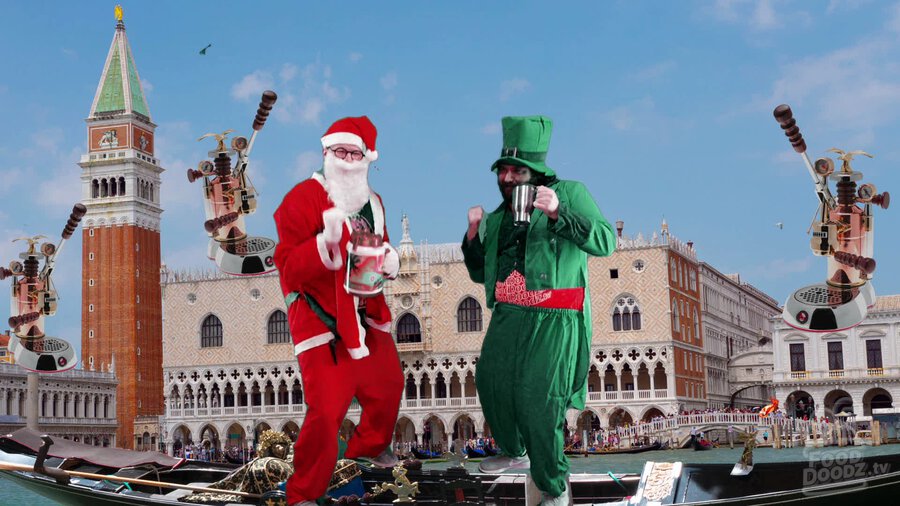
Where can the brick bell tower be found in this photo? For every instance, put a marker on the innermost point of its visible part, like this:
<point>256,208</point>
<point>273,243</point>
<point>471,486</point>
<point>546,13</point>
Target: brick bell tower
<point>121,313</point>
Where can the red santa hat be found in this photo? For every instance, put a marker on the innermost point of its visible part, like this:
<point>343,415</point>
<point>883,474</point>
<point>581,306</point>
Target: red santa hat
<point>358,131</point>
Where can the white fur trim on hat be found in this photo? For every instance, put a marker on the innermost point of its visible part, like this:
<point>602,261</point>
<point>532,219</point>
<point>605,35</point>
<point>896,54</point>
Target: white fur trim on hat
<point>348,138</point>
<point>343,138</point>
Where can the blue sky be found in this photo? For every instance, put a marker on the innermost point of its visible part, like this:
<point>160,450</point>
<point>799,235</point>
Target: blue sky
<point>664,109</point>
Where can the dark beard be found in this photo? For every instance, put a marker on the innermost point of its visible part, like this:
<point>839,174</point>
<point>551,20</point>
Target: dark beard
<point>506,191</point>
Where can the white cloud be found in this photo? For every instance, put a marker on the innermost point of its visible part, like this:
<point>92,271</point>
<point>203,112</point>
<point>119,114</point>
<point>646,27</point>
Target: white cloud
<point>13,175</point>
<point>71,53</point>
<point>389,81</point>
<point>844,5</point>
<point>43,142</point>
<point>252,85</point>
<point>655,71</point>
<point>146,85</point>
<point>781,268</point>
<point>355,57</point>
<point>755,14</point>
<point>893,22</point>
<point>858,91</point>
<point>635,116</point>
<point>513,87</point>
<point>288,72</point>
<point>62,189</point>
<point>178,152</point>
<point>305,93</point>
<point>190,256</point>
<point>492,128</point>
<point>306,163</point>
<point>764,16</point>
<point>311,110</point>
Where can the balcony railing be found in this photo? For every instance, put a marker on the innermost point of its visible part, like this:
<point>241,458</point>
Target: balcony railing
<point>407,347</point>
<point>846,373</point>
<point>77,421</point>
<point>627,395</point>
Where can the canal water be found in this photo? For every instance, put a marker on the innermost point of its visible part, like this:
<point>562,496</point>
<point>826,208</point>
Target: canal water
<point>12,494</point>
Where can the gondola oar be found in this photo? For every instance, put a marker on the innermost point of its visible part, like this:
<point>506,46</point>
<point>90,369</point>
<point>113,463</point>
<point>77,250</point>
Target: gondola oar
<point>9,466</point>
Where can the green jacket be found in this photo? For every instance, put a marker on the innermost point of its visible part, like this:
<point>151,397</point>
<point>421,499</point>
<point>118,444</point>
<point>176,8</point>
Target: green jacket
<point>555,255</point>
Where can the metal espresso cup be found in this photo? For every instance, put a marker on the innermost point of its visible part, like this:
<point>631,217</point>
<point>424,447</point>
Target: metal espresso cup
<point>523,203</point>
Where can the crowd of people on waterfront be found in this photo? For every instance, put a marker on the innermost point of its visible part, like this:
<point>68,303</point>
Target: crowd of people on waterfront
<point>208,453</point>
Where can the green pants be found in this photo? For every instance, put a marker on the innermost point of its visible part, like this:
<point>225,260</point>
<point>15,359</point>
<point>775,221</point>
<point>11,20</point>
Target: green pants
<point>525,376</point>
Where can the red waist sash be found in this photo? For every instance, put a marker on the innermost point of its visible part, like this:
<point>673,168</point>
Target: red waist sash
<point>512,291</point>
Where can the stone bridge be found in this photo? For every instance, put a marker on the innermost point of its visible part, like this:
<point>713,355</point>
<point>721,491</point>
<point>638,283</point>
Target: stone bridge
<point>677,429</point>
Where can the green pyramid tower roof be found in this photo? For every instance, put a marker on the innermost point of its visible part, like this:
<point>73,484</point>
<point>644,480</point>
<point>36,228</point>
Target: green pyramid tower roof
<point>120,91</point>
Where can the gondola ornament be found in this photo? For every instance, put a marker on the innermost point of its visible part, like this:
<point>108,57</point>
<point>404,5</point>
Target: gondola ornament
<point>34,297</point>
<point>229,196</point>
<point>745,464</point>
<point>843,231</point>
<point>404,489</point>
<point>457,458</point>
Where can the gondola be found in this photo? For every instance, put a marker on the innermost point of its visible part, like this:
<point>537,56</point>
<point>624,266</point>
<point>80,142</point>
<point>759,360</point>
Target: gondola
<point>235,457</point>
<point>827,480</point>
<point>425,454</point>
<point>475,453</point>
<point>636,449</point>
<point>700,445</point>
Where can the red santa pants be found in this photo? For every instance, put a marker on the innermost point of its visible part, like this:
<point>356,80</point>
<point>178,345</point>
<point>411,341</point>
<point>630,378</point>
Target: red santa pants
<point>377,383</point>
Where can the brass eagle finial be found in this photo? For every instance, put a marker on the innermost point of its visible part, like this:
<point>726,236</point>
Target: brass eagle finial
<point>219,137</point>
<point>846,156</point>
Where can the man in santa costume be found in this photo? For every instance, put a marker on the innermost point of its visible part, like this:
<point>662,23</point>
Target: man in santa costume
<point>342,341</point>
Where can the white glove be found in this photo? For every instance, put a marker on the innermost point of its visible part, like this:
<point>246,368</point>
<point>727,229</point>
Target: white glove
<point>334,226</point>
<point>391,265</point>
<point>547,201</point>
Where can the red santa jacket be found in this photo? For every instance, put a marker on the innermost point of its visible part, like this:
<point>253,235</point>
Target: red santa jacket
<point>309,274</point>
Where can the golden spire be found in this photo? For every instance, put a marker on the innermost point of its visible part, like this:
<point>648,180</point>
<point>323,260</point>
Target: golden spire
<point>119,13</point>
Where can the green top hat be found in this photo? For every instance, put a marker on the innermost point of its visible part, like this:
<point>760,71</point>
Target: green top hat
<point>526,140</point>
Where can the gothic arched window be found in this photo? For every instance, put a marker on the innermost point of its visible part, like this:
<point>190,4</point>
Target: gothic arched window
<point>626,314</point>
<point>211,332</point>
<point>277,329</point>
<point>408,329</point>
<point>468,316</point>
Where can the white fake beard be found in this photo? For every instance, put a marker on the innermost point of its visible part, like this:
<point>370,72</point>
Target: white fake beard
<point>347,183</point>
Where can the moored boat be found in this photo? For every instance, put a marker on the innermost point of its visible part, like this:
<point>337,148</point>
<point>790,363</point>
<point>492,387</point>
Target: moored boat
<point>830,477</point>
<point>615,451</point>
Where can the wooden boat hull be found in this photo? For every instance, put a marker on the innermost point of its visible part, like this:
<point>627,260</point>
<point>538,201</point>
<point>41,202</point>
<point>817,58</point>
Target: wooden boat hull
<point>640,449</point>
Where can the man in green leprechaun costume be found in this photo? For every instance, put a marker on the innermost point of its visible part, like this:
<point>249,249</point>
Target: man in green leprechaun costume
<point>535,357</point>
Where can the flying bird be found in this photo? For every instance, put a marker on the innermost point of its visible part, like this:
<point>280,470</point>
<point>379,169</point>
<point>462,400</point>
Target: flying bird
<point>203,51</point>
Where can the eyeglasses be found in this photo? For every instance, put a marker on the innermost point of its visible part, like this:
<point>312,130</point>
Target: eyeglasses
<point>342,154</point>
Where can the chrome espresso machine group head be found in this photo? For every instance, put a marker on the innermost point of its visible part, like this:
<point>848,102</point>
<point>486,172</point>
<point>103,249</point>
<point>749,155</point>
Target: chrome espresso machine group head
<point>228,196</point>
<point>33,298</point>
<point>843,231</point>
